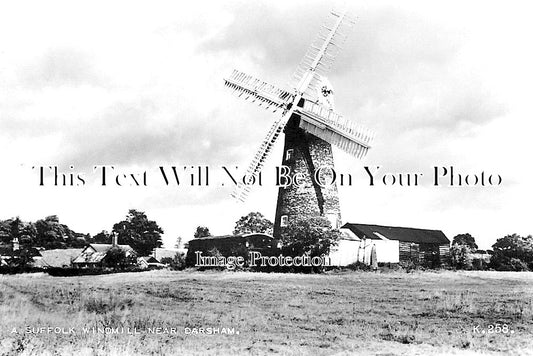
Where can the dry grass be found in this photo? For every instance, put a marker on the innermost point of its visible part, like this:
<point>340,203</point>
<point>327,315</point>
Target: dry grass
<point>339,313</point>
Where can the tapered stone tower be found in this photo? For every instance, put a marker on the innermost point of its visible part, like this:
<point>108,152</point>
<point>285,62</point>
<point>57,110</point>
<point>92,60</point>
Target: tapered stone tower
<point>305,154</point>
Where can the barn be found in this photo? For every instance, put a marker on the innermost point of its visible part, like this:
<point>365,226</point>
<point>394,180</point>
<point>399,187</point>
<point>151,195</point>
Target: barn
<point>404,245</point>
<point>231,245</point>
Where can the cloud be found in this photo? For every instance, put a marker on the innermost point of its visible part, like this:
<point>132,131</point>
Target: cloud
<point>404,68</point>
<point>144,88</point>
<point>60,66</point>
<point>271,37</point>
<point>125,135</point>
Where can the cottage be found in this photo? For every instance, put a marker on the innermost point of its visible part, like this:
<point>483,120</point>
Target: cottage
<point>9,252</point>
<point>95,255</point>
<point>151,262</point>
<point>403,245</point>
<point>13,255</point>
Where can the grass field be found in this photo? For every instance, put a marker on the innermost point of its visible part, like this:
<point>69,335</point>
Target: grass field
<point>336,313</point>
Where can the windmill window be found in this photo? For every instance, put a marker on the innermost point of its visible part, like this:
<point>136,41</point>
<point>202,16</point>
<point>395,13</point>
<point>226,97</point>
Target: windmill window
<point>289,154</point>
<point>284,220</point>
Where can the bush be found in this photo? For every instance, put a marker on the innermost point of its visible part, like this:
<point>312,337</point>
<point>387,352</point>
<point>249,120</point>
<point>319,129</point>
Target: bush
<point>359,266</point>
<point>72,272</point>
<point>512,253</point>
<point>311,236</point>
<point>409,266</point>
<point>118,259</point>
<point>518,265</point>
<point>19,269</point>
<point>478,264</point>
<point>509,264</point>
<point>176,263</point>
<point>461,256</point>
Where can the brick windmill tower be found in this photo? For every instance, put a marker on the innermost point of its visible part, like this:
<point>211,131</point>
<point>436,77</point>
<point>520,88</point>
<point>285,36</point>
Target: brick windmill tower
<point>310,125</point>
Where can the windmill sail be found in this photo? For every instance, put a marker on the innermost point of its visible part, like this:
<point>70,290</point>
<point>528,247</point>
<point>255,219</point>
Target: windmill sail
<point>322,52</point>
<point>258,91</point>
<point>315,118</point>
<point>244,187</point>
<point>335,129</point>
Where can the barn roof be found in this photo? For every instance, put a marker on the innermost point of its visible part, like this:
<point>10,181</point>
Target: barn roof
<point>406,234</point>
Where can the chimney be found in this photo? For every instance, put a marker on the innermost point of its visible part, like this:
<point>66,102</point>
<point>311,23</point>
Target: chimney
<point>15,243</point>
<point>115,239</point>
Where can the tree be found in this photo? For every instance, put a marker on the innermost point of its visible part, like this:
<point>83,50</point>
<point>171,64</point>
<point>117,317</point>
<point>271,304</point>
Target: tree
<point>142,234</point>
<point>467,240</point>
<point>202,231</point>
<point>253,222</point>
<point>16,226</point>
<point>513,252</point>
<point>312,236</point>
<point>28,234</point>
<point>463,245</point>
<point>176,263</point>
<point>23,231</point>
<point>102,237</point>
<point>178,242</point>
<point>51,234</point>
<point>461,256</point>
<point>47,233</point>
<point>5,231</point>
<point>118,259</point>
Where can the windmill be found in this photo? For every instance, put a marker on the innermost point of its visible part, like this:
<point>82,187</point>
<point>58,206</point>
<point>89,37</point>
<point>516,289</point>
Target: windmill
<point>310,125</point>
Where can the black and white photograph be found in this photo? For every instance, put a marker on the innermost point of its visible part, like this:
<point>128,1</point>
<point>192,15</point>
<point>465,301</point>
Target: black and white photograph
<point>266,178</point>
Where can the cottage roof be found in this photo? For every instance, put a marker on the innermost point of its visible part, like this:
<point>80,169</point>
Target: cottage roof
<point>106,247</point>
<point>58,257</point>
<point>406,234</point>
<point>88,256</point>
<point>149,259</point>
<point>95,253</point>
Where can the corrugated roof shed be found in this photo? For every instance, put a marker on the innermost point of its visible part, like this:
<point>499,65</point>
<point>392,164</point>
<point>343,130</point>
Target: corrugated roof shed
<point>407,234</point>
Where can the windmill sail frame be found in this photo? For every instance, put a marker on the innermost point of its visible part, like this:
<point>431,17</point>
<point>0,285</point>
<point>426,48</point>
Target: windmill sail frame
<point>315,118</point>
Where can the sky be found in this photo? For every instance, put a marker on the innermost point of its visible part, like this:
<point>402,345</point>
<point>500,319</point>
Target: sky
<point>138,85</point>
